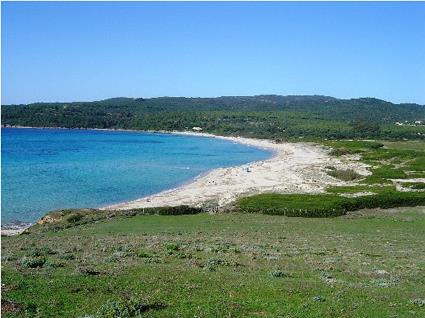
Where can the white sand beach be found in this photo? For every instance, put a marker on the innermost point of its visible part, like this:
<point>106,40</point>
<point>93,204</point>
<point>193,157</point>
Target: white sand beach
<point>294,168</point>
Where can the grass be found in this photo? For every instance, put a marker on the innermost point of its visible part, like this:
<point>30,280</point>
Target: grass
<point>62,219</point>
<point>384,173</point>
<point>232,265</point>
<point>405,145</point>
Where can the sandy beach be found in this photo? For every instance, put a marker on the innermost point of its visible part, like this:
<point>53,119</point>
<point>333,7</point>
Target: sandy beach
<point>294,168</point>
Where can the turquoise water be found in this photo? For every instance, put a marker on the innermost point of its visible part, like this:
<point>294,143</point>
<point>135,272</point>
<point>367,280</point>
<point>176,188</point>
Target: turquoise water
<point>48,169</point>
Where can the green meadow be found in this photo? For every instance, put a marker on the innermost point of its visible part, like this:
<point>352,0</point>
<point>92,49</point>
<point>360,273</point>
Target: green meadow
<point>367,264</point>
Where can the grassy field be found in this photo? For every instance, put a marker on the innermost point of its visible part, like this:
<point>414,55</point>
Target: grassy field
<point>368,264</point>
<point>408,145</point>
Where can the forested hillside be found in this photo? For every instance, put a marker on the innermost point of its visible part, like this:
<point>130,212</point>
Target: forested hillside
<point>270,116</point>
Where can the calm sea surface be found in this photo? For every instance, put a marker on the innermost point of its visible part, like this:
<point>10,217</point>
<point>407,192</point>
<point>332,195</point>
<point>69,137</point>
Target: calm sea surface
<point>48,169</point>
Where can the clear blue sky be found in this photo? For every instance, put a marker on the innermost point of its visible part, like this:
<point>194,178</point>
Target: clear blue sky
<point>74,51</point>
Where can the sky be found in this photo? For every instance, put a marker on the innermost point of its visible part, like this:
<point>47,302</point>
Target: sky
<point>83,51</point>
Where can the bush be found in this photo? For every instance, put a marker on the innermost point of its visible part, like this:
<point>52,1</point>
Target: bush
<point>376,145</point>
<point>144,254</point>
<point>51,264</point>
<point>417,186</point>
<point>43,251</point>
<point>67,256</point>
<point>325,205</point>
<point>172,210</point>
<point>278,274</point>
<point>74,217</point>
<point>304,205</point>
<point>173,247</point>
<point>337,152</point>
<point>345,175</point>
<point>33,262</point>
<point>126,308</point>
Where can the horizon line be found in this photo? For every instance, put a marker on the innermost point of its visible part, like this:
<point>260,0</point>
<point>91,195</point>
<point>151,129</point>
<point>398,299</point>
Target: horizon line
<point>207,97</point>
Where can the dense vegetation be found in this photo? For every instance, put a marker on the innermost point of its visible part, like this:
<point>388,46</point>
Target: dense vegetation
<point>325,205</point>
<point>267,116</point>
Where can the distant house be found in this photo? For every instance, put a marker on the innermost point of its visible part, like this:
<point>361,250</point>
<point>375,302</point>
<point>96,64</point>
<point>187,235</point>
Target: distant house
<point>418,122</point>
<point>197,129</point>
<point>399,124</point>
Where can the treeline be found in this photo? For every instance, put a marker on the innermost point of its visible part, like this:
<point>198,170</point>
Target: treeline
<point>266,116</point>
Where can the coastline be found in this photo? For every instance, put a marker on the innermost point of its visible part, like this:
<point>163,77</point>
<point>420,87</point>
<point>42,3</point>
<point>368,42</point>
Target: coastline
<point>10,229</point>
<point>291,168</point>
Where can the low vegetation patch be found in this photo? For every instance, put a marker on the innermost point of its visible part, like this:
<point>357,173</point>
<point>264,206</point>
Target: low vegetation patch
<point>33,262</point>
<point>345,175</point>
<point>337,152</point>
<point>278,274</point>
<point>325,205</point>
<point>62,219</point>
<point>416,185</point>
<point>389,160</point>
<point>360,188</point>
<point>10,306</point>
<point>126,308</point>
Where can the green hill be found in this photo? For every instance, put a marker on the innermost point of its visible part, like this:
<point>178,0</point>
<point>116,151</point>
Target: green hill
<point>270,116</point>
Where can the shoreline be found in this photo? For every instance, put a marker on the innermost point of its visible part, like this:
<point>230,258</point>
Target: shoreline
<point>10,229</point>
<point>291,168</point>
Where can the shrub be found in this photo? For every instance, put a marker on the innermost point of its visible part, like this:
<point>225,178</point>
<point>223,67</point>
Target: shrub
<point>85,270</point>
<point>144,254</point>
<point>43,251</point>
<point>51,264</point>
<point>417,186</point>
<point>345,175</point>
<point>390,199</point>
<point>173,247</point>
<point>74,217</point>
<point>33,262</point>
<point>126,308</point>
<point>278,274</point>
<point>67,256</point>
<point>216,262</point>
<point>173,210</point>
<point>376,145</point>
<point>340,152</point>
<point>418,302</point>
<point>325,205</point>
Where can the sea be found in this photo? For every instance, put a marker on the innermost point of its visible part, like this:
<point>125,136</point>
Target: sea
<point>50,169</point>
